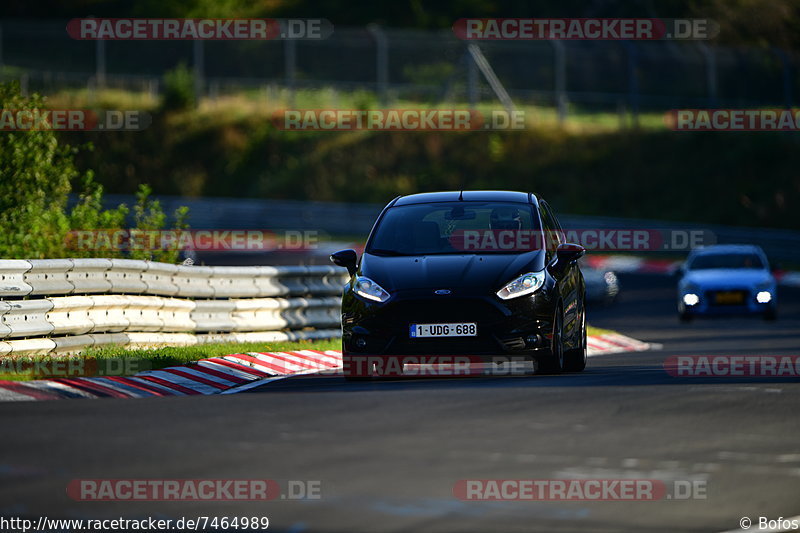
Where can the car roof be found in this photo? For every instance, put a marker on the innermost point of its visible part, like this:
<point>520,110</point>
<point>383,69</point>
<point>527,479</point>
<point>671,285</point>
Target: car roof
<point>466,196</point>
<point>729,249</point>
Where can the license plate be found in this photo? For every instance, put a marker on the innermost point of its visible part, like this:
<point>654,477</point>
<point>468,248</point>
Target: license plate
<point>458,329</point>
<point>729,298</point>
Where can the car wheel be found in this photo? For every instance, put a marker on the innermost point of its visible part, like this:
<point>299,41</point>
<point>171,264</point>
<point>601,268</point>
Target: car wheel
<point>553,362</point>
<point>770,315</point>
<point>684,317</point>
<point>577,358</point>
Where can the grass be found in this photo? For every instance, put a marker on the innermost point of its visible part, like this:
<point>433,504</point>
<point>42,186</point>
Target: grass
<point>120,361</point>
<point>263,103</point>
<point>593,331</point>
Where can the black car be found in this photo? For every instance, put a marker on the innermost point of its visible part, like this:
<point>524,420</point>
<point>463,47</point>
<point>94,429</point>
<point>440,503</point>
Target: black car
<point>483,273</point>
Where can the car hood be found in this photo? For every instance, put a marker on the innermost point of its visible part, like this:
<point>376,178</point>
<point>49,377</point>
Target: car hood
<point>723,277</point>
<point>476,272</point>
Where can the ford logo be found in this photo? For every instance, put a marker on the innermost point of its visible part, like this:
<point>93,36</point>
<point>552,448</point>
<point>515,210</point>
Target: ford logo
<point>442,291</point>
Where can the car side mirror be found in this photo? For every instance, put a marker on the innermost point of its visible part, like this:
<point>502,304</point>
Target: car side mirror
<point>566,254</point>
<point>347,259</point>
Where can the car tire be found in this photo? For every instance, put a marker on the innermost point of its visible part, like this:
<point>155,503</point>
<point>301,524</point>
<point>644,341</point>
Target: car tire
<point>553,362</point>
<point>576,359</point>
<point>770,315</point>
<point>684,317</point>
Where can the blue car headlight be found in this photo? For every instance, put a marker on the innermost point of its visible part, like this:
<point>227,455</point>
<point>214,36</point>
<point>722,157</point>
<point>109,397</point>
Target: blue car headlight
<point>765,292</point>
<point>690,294</point>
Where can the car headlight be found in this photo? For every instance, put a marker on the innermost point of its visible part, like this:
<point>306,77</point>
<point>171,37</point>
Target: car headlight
<point>525,284</point>
<point>691,299</point>
<point>366,288</point>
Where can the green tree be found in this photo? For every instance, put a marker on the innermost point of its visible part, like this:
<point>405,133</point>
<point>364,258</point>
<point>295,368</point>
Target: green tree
<point>37,174</point>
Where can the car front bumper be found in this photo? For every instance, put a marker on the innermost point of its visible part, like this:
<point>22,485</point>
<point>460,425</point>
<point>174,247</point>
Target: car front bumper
<point>708,306</point>
<point>518,326</point>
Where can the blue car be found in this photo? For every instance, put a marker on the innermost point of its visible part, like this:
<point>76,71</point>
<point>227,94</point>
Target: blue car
<point>726,279</point>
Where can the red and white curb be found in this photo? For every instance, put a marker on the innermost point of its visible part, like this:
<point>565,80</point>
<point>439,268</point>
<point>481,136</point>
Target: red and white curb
<point>609,343</point>
<point>227,374</point>
<point>203,377</point>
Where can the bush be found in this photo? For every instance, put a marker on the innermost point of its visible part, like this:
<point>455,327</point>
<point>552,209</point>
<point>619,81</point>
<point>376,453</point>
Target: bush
<point>179,89</point>
<point>37,174</point>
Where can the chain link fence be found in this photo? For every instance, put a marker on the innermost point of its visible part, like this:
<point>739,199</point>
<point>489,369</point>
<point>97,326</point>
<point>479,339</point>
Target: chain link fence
<point>393,65</point>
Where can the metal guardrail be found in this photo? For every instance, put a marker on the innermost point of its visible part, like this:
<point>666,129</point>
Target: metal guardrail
<point>60,306</point>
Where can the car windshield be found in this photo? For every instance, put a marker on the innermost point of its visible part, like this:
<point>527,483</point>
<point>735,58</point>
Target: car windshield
<point>456,228</point>
<point>740,260</point>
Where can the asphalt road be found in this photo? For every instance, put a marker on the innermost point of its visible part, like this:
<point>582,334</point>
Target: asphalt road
<point>388,454</point>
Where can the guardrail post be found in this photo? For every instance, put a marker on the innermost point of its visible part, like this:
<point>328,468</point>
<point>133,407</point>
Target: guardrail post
<point>633,82</point>
<point>100,62</point>
<point>711,72</point>
<point>381,62</point>
<point>199,70</point>
<point>472,81</point>
<point>787,77</point>
<point>290,60</point>
<point>560,81</point>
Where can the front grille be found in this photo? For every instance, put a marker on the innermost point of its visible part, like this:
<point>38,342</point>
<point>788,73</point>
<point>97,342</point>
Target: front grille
<point>446,345</point>
<point>447,310</point>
